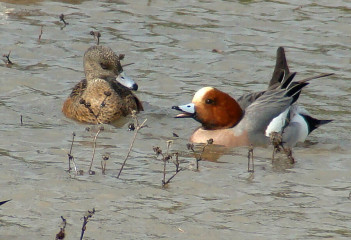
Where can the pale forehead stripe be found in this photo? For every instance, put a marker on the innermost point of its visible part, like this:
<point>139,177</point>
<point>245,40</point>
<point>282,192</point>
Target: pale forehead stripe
<point>201,93</point>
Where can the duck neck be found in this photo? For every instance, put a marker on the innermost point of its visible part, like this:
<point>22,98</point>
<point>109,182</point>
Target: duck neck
<point>233,115</point>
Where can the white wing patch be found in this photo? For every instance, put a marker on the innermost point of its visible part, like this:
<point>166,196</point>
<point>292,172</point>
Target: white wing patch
<point>277,124</point>
<point>297,127</point>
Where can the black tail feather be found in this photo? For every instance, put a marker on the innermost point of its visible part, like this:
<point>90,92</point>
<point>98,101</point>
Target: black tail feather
<point>286,82</point>
<point>314,123</point>
<point>294,91</point>
<point>281,65</point>
<point>3,202</point>
<point>282,76</point>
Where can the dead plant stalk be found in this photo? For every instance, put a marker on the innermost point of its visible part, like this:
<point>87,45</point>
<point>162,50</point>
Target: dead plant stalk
<point>250,159</point>
<point>138,127</point>
<point>94,149</point>
<point>85,222</point>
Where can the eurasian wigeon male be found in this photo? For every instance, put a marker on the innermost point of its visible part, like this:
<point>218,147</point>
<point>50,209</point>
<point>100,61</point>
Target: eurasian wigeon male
<point>253,117</point>
<point>105,94</point>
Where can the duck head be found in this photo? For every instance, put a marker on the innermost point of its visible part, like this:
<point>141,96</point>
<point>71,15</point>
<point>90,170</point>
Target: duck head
<point>102,62</point>
<point>213,108</point>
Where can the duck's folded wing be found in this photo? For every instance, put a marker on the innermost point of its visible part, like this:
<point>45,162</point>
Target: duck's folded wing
<point>247,99</point>
<point>282,81</point>
<point>261,112</point>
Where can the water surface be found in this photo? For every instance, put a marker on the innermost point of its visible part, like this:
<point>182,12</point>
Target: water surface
<point>170,44</point>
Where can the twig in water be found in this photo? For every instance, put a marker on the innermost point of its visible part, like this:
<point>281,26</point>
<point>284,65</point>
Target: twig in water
<point>78,172</point>
<point>198,158</point>
<point>71,159</point>
<point>62,19</point>
<point>41,33</point>
<point>96,35</point>
<point>121,57</point>
<point>127,64</point>
<point>61,234</point>
<point>158,152</point>
<point>178,169</point>
<point>70,156</point>
<point>101,128</point>
<point>277,142</point>
<point>138,127</point>
<point>250,158</point>
<point>8,61</point>
<point>165,159</point>
<point>103,163</point>
<point>85,222</point>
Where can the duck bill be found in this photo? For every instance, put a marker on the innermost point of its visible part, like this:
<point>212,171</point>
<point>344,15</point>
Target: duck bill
<point>126,81</point>
<point>188,110</point>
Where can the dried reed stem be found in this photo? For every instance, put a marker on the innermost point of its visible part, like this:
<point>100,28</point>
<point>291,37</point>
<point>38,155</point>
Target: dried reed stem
<point>103,163</point>
<point>198,158</point>
<point>70,157</point>
<point>92,159</point>
<point>41,33</point>
<point>61,235</point>
<point>85,222</point>
<point>62,19</point>
<point>96,35</point>
<point>8,61</point>
<point>178,169</point>
<point>138,127</point>
<point>250,159</point>
<point>165,158</point>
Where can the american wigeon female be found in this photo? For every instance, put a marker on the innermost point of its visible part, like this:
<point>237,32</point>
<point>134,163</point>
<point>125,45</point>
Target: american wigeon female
<point>105,94</point>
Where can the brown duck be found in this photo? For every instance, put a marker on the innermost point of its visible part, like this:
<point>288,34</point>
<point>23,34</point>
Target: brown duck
<point>105,94</point>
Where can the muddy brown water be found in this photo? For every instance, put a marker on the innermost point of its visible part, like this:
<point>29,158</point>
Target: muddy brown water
<point>170,44</point>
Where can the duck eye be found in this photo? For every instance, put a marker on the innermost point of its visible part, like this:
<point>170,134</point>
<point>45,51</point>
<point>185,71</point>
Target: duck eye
<point>209,101</point>
<point>103,66</point>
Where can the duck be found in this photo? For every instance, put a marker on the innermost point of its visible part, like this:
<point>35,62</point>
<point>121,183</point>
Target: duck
<point>253,117</point>
<point>105,94</point>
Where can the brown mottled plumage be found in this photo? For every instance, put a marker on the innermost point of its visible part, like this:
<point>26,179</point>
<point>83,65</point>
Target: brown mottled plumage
<point>100,98</point>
